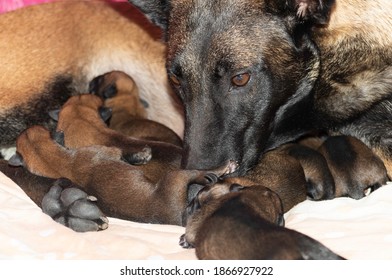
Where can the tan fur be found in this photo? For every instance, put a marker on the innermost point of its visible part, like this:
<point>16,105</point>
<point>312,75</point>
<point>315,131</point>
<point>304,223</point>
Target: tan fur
<point>82,126</point>
<point>345,21</point>
<point>82,39</point>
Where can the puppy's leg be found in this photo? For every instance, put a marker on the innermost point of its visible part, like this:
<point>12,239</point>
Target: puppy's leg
<point>356,169</point>
<point>64,201</point>
<point>34,186</point>
<point>129,114</point>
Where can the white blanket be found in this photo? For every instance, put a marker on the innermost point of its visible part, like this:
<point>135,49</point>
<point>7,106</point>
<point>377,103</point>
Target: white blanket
<point>354,229</point>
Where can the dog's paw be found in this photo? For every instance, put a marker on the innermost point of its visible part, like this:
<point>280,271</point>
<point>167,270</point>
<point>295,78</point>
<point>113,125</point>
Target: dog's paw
<point>138,158</point>
<point>72,207</point>
<point>211,177</point>
<point>184,243</point>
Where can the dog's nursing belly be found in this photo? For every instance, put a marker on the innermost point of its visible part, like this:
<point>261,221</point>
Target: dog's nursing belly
<point>51,51</point>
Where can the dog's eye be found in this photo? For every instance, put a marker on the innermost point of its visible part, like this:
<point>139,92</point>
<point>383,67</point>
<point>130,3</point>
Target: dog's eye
<point>240,80</point>
<point>175,81</point>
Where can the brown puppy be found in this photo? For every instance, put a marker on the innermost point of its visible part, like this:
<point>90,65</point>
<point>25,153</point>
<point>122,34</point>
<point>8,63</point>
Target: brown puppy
<point>250,220</point>
<point>356,170</point>
<point>129,115</point>
<point>123,190</point>
<point>40,68</point>
<point>82,125</point>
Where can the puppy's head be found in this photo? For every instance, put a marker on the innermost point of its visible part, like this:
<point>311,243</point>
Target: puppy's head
<point>119,90</point>
<point>84,108</point>
<point>264,201</point>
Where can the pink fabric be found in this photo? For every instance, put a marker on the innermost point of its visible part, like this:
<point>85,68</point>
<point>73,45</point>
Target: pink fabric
<point>9,5</point>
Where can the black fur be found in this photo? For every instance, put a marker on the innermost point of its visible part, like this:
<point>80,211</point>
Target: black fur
<point>36,111</point>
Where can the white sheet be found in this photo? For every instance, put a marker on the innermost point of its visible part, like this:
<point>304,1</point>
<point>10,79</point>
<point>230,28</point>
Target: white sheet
<point>355,229</point>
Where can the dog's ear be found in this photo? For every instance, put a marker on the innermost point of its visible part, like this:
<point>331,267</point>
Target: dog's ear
<point>311,11</point>
<point>157,11</point>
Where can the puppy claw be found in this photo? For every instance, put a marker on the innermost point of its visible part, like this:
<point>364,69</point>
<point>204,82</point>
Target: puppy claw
<point>91,198</point>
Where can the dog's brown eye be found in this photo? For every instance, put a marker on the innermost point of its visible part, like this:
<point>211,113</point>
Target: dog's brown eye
<point>240,80</point>
<point>174,80</point>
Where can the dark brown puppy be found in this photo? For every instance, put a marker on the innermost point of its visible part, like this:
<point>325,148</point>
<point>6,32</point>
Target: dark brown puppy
<point>356,170</point>
<point>123,190</point>
<point>129,114</point>
<point>237,222</point>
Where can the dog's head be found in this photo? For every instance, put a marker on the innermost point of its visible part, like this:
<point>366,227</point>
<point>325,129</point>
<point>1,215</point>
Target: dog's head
<point>244,70</point>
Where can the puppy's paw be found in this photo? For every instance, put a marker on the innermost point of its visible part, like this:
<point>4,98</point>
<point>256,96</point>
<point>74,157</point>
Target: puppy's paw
<point>138,158</point>
<point>184,243</point>
<point>212,176</point>
<point>72,207</point>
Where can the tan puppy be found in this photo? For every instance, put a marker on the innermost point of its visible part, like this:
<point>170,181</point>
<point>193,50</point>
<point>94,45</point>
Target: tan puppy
<point>81,124</point>
<point>245,223</point>
<point>129,115</point>
<point>51,51</point>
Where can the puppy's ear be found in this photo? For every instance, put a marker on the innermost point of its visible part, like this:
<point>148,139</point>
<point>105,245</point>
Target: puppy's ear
<point>157,11</point>
<point>16,160</point>
<point>54,114</point>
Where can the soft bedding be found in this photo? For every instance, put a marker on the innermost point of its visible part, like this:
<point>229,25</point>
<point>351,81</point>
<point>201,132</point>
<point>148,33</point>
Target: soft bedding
<point>355,229</point>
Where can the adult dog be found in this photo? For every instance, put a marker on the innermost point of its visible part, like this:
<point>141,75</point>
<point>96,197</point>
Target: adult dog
<point>254,74</point>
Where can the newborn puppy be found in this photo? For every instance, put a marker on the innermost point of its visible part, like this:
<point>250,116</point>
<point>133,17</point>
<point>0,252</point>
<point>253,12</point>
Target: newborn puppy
<point>356,170</point>
<point>152,193</point>
<point>129,114</point>
<point>235,222</point>
<point>81,123</point>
